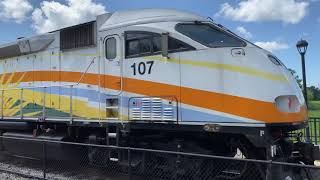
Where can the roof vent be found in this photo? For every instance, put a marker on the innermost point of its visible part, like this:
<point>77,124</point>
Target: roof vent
<point>79,36</point>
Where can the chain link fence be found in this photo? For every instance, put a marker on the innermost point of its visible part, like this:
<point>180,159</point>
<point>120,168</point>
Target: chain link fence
<point>87,161</point>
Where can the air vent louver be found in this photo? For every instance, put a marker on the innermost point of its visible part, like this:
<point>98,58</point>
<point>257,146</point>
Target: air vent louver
<point>82,35</point>
<point>153,109</point>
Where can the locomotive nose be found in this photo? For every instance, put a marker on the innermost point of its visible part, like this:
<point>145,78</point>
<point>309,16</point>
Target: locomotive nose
<point>283,90</point>
<point>291,100</point>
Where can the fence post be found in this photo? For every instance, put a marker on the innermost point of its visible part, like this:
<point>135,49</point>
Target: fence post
<point>2,104</point>
<point>1,143</point>
<point>129,163</point>
<point>44,151</point>
<point>44,104</point>
<point>71,108</point>
<point>269,171</point>
<point>21,103</point>
<point>315,131</point>
<point>269,159</point>
<point>309,130</point>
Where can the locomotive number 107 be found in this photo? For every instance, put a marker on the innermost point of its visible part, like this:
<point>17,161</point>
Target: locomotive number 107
<point>142,68</point>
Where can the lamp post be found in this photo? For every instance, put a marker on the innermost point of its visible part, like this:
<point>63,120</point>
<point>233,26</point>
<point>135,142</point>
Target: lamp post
<point>302,47</point>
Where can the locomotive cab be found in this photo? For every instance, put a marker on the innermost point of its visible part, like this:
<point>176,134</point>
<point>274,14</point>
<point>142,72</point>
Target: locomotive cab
<point>213,75</point>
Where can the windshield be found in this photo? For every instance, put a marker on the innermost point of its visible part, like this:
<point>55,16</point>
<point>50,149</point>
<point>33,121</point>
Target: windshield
<point>209,35</point>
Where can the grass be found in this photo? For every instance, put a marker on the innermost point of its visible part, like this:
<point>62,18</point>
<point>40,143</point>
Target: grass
<point>314,109</point>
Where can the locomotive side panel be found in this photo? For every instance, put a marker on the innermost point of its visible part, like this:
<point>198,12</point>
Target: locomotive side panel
<point>48,81</point>
<point>78,92</point>
<point>13,73</point>
<point>22,85</point>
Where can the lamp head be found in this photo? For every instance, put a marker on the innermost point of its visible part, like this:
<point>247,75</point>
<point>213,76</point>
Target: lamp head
<point>302,46</point>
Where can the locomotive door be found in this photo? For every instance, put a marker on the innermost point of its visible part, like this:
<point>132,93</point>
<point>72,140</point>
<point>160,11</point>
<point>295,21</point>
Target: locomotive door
<point>112,76</point>
<point>112,65</point>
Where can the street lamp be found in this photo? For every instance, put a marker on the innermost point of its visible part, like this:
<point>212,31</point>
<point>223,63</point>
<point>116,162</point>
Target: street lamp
<point>302,47</point>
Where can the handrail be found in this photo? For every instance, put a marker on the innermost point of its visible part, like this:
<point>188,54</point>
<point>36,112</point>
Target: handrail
<point>85,72</point>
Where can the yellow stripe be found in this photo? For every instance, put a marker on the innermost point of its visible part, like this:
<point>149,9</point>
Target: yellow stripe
<point>239,69</point>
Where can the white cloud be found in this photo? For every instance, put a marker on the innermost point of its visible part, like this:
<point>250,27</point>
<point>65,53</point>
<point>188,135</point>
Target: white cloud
<point>54,15</point>
<point>287,11</point>
<point>15,10</point>
<point>244,32</point>
<point>272,45</point>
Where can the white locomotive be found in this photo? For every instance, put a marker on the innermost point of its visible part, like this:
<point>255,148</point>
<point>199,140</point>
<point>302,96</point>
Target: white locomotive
<point>164,79</point>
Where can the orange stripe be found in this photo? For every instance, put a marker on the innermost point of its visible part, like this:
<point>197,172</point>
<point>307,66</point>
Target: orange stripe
<point>244,107</point>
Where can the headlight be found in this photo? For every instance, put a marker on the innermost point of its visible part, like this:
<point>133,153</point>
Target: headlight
<point>288,104</point>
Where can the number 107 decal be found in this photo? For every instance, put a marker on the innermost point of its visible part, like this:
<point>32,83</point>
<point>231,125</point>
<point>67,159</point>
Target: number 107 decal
<point>142,68</point>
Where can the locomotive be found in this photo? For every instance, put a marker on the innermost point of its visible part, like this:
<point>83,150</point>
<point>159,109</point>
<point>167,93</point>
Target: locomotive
<point>153,78</point>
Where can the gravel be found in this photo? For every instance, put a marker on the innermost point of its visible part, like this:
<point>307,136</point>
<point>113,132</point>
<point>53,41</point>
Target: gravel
<point>8,176</point>
<point>26,169</point>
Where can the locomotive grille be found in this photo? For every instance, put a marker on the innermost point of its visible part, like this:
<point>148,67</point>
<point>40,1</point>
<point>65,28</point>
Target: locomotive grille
<point>152,109</point>
<point>82,35</point>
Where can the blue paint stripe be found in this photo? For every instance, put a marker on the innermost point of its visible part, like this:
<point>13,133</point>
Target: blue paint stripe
<point>188,115</point>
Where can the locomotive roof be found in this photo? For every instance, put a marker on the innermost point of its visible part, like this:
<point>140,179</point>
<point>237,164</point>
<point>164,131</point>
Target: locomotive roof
<point>104,22</point>
<point>131,17</point>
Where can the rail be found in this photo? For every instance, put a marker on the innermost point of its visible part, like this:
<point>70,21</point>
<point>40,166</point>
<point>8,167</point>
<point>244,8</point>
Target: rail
<point>87,161</point>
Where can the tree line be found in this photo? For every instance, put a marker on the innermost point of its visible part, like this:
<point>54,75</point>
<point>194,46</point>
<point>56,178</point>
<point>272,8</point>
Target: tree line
<point>312,91</point>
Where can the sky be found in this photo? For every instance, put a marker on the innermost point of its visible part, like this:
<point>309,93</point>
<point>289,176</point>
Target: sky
<point>273,24</point>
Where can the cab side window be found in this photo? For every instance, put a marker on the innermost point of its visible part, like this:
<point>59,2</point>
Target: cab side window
<point>140,43</point>
<point>111,48</point>
<point>176,45</point>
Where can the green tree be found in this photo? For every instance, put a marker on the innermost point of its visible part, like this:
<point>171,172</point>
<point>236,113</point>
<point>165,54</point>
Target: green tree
<point>295,75</point>
<point>313,92</point>
<point>316,92</point>
<point>310,94</point>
